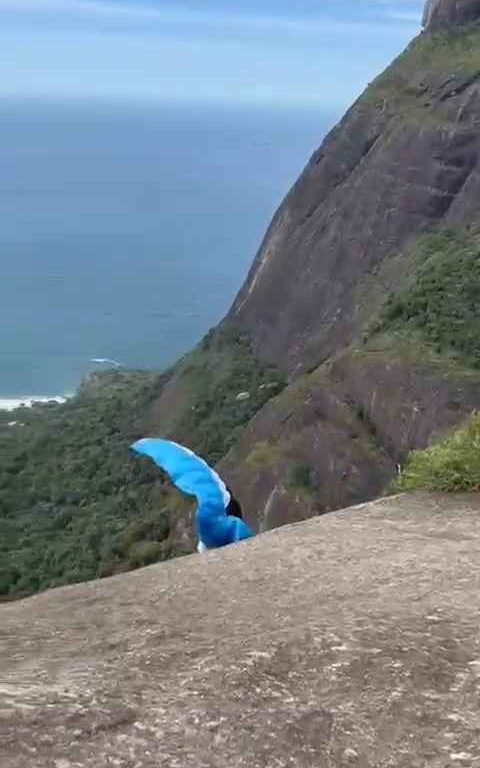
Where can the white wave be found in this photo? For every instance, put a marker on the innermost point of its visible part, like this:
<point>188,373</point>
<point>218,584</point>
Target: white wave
<point>11,403</point>
<point>106,360</point>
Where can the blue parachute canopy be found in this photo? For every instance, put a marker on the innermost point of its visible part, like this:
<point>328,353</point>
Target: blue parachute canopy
<point>192,475</point>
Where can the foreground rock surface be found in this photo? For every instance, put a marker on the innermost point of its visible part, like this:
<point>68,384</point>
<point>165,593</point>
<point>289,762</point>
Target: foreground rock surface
<point>349,640</point>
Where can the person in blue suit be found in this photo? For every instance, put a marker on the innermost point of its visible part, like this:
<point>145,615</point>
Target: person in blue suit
<point>218,515</point>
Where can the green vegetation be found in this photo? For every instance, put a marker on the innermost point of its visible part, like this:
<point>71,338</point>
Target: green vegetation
<point>451,465</point>
<point>440,301</point>
<point>75,505</point>
<point>454,51</point>
<point>410,89</point>
<point>214,375</point>
<point>264,454</point>
<point>299,477</point>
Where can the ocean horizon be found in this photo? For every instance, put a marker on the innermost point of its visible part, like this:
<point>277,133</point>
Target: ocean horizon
<point>126,232</point>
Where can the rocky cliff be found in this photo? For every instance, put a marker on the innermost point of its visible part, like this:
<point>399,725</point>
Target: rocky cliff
<point>445,13</point>
<point>403,160</point>
<point>365,291</point>
<point>348,641</point>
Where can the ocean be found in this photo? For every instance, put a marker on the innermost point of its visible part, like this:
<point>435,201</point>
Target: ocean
<point>126,232</point>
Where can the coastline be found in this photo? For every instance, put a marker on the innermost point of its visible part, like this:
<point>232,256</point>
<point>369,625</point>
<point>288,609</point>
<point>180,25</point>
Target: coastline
<point>12,403</point>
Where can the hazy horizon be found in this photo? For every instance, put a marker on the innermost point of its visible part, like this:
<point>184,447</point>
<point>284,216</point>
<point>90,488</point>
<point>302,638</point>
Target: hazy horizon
<point>316,53</point>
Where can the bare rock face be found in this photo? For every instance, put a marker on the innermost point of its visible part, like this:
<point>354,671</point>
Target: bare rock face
<point>346,641</point>
<point>444,13</point>
<point>405,158</point>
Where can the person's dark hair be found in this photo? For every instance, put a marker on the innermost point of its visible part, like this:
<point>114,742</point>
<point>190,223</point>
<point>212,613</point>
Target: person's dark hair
<point>234,509</point>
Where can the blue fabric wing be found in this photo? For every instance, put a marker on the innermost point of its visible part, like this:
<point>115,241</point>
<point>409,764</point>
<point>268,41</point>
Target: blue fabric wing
<point>188,472</point>
<point>192,475</point>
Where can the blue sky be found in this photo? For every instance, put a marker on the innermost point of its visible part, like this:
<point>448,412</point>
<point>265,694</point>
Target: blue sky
<point>285,52</point>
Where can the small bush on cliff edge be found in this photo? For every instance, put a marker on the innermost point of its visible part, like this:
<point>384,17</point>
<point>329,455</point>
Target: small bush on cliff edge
<point>451,465</point>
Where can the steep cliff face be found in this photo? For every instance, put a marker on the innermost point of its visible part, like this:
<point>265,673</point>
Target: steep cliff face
<point>389,200</point>
<point>403,159</point>
<point>444,13</point>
